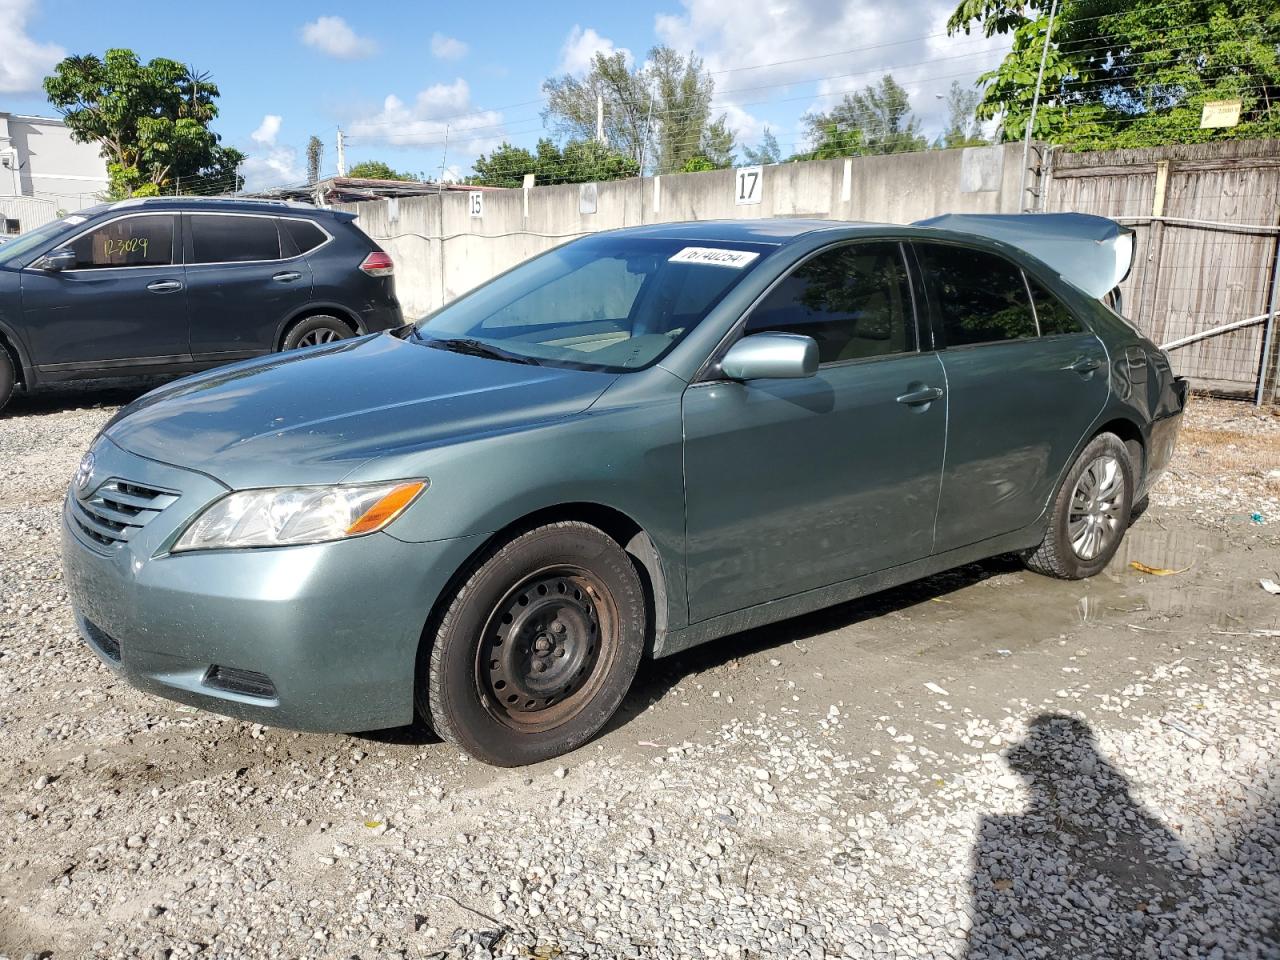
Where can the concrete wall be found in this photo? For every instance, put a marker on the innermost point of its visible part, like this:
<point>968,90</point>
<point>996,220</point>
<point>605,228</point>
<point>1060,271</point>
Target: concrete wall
<point>441,251</point>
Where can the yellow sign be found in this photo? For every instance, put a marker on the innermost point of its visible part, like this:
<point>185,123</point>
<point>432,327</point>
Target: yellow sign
<point>1220,113</point>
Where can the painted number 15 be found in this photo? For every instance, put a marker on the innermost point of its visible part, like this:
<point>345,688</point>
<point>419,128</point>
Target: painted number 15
<point>748,185</point>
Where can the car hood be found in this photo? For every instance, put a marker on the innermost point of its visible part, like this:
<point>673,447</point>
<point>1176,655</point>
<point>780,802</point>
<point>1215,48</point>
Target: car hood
<point>313,416</point>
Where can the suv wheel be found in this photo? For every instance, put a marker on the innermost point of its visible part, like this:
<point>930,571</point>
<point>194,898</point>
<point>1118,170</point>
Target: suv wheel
<point>1090,513</point>
<point>537,648</point>
<point>8,376</point>
<point>313,331</point>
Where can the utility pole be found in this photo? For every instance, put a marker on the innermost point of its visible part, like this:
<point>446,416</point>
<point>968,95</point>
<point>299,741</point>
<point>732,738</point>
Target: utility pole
<point>1035,102</point>
<point>342,154</point>
<point>600,117</point>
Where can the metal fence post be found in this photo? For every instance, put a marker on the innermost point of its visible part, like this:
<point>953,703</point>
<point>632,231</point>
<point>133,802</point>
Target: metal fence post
<point>1268,335</point>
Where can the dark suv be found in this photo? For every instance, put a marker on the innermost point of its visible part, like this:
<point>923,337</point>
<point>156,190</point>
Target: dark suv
<point>171,285</point>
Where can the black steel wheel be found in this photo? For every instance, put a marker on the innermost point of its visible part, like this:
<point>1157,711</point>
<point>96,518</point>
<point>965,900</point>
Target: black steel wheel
<point>537,648</point>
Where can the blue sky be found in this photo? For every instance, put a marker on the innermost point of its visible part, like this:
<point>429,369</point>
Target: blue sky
<point>395,76</point>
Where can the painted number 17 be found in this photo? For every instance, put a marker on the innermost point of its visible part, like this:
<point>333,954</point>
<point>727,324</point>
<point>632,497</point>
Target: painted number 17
<point>748,185</point>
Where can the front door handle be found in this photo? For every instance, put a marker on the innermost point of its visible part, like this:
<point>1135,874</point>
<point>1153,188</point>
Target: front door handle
<point>913,398</point>
<point>288,276</point>
<point>164,286</point>
<point>1085,365</point>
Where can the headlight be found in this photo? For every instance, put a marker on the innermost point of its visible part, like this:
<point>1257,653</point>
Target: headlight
<point>281,516</point>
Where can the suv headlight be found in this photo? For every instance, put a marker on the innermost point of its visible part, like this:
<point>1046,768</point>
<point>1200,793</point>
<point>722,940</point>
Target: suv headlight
<point>282,516</point>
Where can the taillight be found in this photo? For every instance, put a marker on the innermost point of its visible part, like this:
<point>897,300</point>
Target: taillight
<point>378,264</point>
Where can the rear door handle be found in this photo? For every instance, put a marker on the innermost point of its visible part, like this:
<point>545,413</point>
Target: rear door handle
<point>1085,365</point>
<point>916,397</point>
<point>164,286</point>
<point>287,277</point>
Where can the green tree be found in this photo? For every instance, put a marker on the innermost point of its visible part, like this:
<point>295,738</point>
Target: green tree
<point>715,152</point>
<point>658,113</point>
<point>150,120</point>
<point>881,117</point>
<point>963,127</point>
<point>315,152</point>
<point>1130,73</point>
<point>377,170</point>
<point>767,152</point>
<point>833,141</point>
<point>579,161</point>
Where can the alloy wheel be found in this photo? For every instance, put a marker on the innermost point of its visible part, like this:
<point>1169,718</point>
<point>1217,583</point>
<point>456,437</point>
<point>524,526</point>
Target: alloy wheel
<point>1093,519</point>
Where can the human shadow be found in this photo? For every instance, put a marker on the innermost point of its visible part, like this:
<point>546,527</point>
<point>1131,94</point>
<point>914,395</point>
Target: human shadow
<point>1085,872</point>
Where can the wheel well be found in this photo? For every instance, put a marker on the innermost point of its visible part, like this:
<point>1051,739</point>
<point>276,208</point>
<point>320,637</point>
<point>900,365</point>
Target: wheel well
<point>16,360</point>
<point>1131,436</point>
<point>619,527</point>
<point>615,524</point>
<point>336,312</point>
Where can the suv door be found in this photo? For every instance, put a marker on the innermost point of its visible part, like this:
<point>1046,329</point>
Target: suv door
<point>797,484</point>
<point>122,304</point>
<point>243,280</point>
<point>1022,390</point>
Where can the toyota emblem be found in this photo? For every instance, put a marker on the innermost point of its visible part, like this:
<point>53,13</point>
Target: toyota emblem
<point>84,473</point>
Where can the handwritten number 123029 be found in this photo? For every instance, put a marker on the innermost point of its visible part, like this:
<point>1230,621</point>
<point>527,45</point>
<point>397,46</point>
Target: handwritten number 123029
<point>126,246</point>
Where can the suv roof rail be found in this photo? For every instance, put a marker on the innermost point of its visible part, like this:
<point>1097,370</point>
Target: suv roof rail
<point>143,201</point>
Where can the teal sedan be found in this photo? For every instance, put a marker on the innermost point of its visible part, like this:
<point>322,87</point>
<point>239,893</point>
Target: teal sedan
<point>637,442</point>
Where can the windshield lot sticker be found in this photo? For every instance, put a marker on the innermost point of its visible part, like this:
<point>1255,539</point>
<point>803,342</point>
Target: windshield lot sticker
<point>714,256</point>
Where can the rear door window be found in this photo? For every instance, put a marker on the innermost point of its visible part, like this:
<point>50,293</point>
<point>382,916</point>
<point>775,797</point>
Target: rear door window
<point>142,241</point>
<point>220,238</point>
<point>980,297</point>
<point>306,236</point>
<point>1054,315</point>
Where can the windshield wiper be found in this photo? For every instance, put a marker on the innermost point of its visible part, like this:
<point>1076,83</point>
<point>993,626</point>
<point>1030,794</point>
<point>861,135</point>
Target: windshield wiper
<point>478,348</point>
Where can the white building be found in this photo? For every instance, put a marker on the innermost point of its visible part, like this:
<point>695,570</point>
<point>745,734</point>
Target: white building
<point>44,173</point>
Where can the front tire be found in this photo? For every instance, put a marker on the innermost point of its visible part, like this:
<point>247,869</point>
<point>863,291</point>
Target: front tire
<point>314,331</point>
<point>537,648</point>
<point>1090,513</point>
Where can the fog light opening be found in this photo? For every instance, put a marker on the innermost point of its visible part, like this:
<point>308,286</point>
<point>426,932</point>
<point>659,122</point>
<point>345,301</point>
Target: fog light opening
<point>248,683</point>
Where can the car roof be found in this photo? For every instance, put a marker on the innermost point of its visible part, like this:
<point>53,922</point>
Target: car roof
<point>770,231</point>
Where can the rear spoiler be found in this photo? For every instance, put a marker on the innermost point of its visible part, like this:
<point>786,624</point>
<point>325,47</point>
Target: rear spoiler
<point>1093,253</point>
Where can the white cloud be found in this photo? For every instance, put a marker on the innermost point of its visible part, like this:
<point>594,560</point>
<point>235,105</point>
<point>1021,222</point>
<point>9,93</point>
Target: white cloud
<point>439,112</point>
<point>776,50</point>
<point>23,62</point>
<point>271,164</point>
<point>447,48</point>
<point>267,130</point>
<point>580,48</point>
<point>334,36</point>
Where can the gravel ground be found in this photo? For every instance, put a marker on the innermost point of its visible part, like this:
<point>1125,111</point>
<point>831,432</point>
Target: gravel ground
<point>984,764</point>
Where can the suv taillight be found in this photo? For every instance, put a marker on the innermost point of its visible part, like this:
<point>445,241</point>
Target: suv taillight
<point>378,264</point>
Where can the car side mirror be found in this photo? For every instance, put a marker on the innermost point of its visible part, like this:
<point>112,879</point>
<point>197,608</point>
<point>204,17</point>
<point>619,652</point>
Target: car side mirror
<point>64,258</point>
<point>771,356</point>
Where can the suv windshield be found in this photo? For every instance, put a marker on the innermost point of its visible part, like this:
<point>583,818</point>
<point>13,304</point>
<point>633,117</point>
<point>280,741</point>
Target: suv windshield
<point>599,303</point>
<point>32,240</point>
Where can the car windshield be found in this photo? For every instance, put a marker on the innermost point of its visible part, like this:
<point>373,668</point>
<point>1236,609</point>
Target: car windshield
<point>600,303</point>
<point>25,243</point>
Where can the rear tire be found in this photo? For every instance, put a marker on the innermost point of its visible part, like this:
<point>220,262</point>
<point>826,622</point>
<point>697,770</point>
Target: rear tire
<point>8,376</point>
<point>314,331</point>
<point>1090,513</point>
<point>537,648</point>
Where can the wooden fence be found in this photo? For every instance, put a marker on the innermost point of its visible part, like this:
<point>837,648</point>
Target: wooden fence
<point>1207,218</point>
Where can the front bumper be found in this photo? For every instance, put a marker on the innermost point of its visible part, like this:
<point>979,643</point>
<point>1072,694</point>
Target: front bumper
<point>333,627</point>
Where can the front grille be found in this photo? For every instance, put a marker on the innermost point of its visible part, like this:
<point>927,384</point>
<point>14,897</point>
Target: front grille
<point>106,644</point>
<point>118,509</point>
<point>248,682</point>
